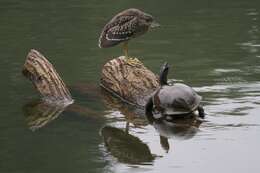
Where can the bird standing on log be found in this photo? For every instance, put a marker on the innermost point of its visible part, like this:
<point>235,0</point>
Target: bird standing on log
<point>124,26</point>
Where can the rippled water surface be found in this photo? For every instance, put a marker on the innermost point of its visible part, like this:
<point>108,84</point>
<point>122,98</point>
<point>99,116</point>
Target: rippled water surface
<point>212,46</point>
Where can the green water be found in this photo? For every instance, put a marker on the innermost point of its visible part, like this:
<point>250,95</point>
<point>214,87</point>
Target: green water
<point>211,45</point>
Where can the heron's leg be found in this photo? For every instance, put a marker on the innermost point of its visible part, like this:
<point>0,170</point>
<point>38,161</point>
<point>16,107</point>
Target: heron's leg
<point>127,127</point>
<point>125,48</point>
<point>130,61</point>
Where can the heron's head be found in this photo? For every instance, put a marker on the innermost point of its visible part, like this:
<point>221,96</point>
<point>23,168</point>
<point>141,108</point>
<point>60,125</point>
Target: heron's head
<point>149,20</point>
<point>146,18</point>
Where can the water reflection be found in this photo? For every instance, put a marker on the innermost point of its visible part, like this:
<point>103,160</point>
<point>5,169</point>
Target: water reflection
<point>231,98</point>
<point>39,113</point>
<point>132,114</point>
<point>126,147</point>
<point>182,128</point>
<point>123,116</point>
<point>252,45</point>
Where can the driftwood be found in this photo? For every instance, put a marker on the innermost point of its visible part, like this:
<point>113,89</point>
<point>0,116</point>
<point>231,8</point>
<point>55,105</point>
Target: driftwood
<point>55,95</point>
<point>45,79</point>
<point>132,84</point>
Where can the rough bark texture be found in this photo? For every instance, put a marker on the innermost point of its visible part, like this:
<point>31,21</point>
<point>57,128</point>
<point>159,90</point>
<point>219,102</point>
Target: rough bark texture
<point>132,84</point>
<point>45,78</point>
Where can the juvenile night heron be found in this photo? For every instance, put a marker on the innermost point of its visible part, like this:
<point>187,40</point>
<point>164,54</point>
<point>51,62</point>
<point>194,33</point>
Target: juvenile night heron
<point>124,26</point>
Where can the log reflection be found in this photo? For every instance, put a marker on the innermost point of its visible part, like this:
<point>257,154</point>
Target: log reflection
<point>39,113</point>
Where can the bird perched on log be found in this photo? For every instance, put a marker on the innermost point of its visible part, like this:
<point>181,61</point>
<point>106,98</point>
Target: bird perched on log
<point>124,26</point>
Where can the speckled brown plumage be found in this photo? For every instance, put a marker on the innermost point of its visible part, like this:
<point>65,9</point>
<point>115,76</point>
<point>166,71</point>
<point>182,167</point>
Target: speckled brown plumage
<point>125,25</point>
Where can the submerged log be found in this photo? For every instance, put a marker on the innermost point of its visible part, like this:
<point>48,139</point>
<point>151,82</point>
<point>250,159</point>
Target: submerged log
<point>45,79</point>
<point>132,84</point>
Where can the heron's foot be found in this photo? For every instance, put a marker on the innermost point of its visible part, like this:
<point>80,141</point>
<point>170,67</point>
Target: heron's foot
<point>133,61</point>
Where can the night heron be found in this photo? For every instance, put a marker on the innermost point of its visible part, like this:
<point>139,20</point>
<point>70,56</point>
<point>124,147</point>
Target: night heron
<point>124,26</point>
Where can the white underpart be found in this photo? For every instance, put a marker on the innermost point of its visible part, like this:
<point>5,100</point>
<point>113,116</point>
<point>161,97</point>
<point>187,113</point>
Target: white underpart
<point>116,39</point>
<point>99,41</point>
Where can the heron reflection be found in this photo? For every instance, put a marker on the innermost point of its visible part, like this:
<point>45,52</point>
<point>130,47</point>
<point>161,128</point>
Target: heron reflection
<point>182,128</point>
<point>126,147</point>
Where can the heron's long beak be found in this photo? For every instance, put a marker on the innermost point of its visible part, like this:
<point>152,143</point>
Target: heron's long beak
<point>154,24</point>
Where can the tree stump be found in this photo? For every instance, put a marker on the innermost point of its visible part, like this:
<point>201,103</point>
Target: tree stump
<point>45,79</point>
<point>132,84</point>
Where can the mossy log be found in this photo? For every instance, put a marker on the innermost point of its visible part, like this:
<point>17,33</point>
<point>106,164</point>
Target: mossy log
<point>45,79</point>
<point>132,84</point>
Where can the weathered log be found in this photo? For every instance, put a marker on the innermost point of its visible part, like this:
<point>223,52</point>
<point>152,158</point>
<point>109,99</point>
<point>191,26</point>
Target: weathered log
<point>132,84</point>
<point>45,79</point>
<point>135,82</point>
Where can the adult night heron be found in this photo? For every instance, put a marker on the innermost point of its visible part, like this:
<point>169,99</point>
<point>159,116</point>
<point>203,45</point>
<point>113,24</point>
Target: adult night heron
<point>124,26</point>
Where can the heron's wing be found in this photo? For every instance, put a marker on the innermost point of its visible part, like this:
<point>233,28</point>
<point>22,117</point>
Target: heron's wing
<point>122,29</point>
